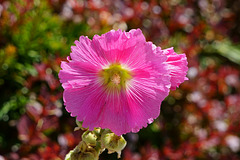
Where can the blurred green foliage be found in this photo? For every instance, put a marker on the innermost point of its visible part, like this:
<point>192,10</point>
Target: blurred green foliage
<point>227,49</point>
<point>38,35</point>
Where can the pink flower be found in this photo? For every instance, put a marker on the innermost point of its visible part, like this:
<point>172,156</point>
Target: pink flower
<point>118,80</point>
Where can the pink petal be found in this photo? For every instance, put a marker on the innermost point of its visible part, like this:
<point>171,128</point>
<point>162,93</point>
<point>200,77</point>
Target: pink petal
<point>121,47</point>
<point>84,51</point>
<point>77,74</point>
<point>177,65</point>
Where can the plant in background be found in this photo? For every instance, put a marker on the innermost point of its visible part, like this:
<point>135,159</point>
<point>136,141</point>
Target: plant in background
<point>117,81</point>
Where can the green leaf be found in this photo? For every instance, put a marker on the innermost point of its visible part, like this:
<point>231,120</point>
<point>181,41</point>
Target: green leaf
<point>228,50</point>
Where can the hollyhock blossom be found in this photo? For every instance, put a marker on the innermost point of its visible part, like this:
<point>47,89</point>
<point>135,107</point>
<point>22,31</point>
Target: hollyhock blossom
<point>118,80</point>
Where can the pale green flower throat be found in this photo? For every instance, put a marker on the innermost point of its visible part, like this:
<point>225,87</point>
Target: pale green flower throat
<point>115,77</point>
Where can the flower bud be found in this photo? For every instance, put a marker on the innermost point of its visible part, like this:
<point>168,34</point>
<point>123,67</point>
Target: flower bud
<point>79,125</point>
<point>87,156</point>
<point>112,142</point>
<point>68,156</point>
<point>97,131</point>
<point>82,147</point>
<point>89,137</point>
<point>83,152</point>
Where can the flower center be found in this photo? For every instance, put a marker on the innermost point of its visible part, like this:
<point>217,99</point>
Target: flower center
<point>115,77</point>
